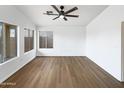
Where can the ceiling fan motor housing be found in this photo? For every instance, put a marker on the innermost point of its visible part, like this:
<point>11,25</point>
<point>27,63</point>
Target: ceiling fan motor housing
<point>61,7</point>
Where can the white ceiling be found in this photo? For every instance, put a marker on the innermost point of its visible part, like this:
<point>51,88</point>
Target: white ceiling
<point>86,14</point>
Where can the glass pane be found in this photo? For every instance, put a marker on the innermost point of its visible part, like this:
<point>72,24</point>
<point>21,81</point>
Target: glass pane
<point>26,40</point>
<point>43,40</point>
<point>31,39</point>
<point>10,41</point>
<point>13,43</point>
<point>49,39</point>
<point>46,39</point>
<point>1,43</point>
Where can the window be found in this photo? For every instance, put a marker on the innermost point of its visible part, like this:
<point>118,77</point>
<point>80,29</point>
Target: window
<point>29,39</point>
<point>8,41</point>
<point>46,39</point>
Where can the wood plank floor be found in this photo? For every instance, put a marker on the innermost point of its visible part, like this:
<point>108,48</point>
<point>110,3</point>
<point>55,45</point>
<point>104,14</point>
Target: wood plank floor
<point>62,72</point>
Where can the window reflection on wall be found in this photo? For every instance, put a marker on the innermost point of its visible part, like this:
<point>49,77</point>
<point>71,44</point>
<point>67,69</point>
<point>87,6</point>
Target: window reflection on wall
<point>45,39</point>
<point>8,41</point>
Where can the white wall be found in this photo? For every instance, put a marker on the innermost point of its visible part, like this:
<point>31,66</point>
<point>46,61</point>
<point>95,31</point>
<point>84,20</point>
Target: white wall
<point>68,41</point>
<point>104,40</point>
<point>10,14</point>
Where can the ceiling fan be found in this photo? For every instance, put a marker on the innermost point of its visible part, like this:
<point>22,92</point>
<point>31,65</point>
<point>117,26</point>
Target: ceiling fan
<point>61,13</point>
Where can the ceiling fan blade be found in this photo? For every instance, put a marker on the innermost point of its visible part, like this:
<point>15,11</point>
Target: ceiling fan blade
<point>65,19</point>
<point>50,14</point>
<point>55,18</point>
<point>56,8</point>
<point>71,10</point>
<point>72,15</point>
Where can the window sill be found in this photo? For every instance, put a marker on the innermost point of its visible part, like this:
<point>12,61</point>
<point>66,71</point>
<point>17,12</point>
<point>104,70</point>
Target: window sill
<point>28,52</point>
<point>12,59</point>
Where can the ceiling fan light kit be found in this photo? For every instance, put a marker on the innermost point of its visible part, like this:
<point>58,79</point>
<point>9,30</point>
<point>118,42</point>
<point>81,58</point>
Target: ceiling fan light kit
<point>61,13</point>
<point>62,16</point>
